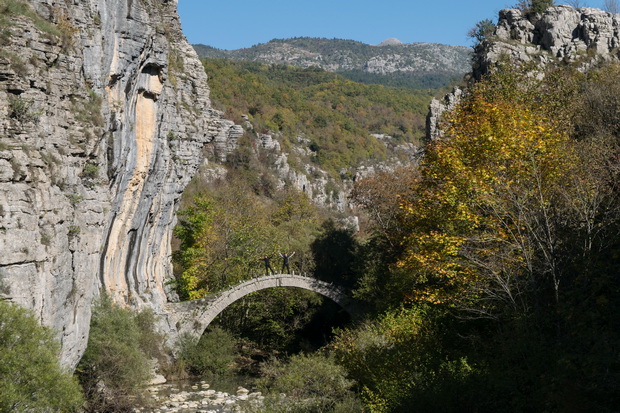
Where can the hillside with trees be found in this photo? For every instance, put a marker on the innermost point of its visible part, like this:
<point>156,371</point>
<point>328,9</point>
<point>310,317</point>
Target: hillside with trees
<point>335,119</point>
<point>391,63</point>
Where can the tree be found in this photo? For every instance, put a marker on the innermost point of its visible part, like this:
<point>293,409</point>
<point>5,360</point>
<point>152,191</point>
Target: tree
<point>486,224</point>
<point>311,383</point>
<point>482,31</point>
<point>31,378</point>
<point>223,234</point>
<point>401,364</point>
<point>509,240</point>
<point>334,255</point>
<point>534,6</point>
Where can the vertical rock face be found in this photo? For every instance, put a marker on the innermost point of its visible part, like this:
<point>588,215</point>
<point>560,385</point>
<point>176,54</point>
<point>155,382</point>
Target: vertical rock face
<point>104,119</point>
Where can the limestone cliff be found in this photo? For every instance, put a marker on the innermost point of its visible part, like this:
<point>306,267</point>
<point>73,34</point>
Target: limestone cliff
<point>104,119</point>
<point>583,36</point>
<point>562,33</point>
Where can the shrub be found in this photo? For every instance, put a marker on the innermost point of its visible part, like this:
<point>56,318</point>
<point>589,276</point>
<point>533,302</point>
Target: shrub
<point>311,383</point>
<point>534,6</point>
<point>20,109</point>
<point>116,364</point>
<point>482,31</point>
<point>214,353</point>
<point>90,171</point>
<point>31,378</point>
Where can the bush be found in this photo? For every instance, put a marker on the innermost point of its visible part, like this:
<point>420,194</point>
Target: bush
<point>534,6</point>
<point>21,109</point>
<point>214,353</point>
<point>311,383</point>
<point>116,364</point>
<point>31,378</point>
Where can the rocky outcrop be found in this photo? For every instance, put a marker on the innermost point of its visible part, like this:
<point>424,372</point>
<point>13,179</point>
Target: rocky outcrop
<point>582,36</point>
<point>436,110</point>
<point>104,119</point>
<point>561,33</point>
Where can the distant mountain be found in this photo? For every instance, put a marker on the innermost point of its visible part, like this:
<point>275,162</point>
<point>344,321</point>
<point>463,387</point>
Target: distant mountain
<point>412,65</point>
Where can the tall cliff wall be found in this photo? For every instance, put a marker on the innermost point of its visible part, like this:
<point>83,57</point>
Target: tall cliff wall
<point>104,119</point>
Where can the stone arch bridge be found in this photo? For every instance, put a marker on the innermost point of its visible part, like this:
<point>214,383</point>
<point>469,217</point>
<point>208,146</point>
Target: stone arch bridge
<point>193,317</point>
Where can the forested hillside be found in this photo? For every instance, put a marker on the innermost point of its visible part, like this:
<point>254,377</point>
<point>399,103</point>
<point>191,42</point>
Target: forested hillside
<point>496,281</point>
<point>475,270</point>
<point>334,118</point>
<point>412,65</point>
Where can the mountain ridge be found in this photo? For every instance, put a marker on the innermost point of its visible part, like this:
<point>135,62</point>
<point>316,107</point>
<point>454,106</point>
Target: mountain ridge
<point>417,65</point>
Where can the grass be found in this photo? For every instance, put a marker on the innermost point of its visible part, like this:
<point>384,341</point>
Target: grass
<point>11,8</point>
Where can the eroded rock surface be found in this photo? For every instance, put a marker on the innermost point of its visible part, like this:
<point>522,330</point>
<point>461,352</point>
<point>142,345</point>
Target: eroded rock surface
<point>583,36</point>
<point>104,119</point>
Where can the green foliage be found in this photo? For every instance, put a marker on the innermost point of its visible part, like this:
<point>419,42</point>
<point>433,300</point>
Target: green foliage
<point>334,252</point>
<point>423,81</point>
<point>12,8</point>
<point>90,171</point>
<point>311,383</point>
<point>228,228</point>
<point>515,219</point>
<point>399,358</point>
<point>214,353</point>
<point>120,346</point>
<point>31,378</point>
<point>273,319</point>
<point>482,31</point>
<point>88,110</point>
<point>21,109</point>
<point>336,114</point>
<point>534,6</point>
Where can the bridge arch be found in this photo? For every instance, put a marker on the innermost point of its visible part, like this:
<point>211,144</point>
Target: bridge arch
<point>193,317</point>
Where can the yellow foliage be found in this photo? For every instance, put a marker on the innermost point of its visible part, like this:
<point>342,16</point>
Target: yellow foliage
<point>498,157</point>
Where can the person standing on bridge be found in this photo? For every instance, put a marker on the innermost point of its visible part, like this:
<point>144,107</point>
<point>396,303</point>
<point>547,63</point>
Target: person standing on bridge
<point>285,262</point>
<point>267,260</point>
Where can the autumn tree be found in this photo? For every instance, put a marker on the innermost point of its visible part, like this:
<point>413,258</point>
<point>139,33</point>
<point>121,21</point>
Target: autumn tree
<point>507,242</point>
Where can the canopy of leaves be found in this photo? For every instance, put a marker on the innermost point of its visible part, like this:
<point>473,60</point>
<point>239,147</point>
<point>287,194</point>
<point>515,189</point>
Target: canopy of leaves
<point>31,378</point>
<point>311,383</point>
<point>228,229</point>
<point>504,245</point>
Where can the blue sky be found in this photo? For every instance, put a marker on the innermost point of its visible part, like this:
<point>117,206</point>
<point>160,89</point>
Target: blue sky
<point>233,24</point>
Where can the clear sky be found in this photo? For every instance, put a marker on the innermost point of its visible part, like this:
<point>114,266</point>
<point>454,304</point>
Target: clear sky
<point>234,24</point>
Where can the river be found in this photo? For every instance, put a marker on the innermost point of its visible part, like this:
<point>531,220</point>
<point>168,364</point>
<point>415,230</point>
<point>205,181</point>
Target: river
<point>217,395</point>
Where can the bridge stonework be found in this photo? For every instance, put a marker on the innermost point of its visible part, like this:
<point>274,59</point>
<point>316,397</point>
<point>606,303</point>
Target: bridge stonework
<point>193,317</point>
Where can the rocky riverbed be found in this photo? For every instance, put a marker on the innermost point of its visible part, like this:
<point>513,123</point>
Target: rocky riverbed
<point>195,397</point>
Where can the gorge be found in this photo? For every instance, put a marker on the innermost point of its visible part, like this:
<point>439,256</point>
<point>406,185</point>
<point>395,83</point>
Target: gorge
<point>106,117</point>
